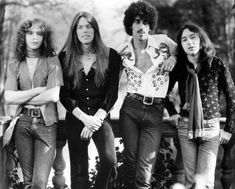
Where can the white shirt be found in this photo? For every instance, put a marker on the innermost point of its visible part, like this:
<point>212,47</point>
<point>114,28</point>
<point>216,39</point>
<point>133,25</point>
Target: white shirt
<point>154,82</point>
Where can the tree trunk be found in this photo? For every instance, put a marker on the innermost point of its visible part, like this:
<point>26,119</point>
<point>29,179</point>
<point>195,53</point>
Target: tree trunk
<point>2,64</point>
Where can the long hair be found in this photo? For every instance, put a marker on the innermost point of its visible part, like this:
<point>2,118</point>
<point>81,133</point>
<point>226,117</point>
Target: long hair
<point>144,10</point>
<point>46,49</point>
<point>207,50</point>
<point>73,48</point>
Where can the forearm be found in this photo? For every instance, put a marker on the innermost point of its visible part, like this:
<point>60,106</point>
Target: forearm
<point>77,112</point>
<point>20,97</point>
<point>50,95</point>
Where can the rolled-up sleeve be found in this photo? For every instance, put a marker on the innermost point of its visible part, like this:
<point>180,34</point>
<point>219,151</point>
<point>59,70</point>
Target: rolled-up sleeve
<point>55,76</point>
<point>11,80</point>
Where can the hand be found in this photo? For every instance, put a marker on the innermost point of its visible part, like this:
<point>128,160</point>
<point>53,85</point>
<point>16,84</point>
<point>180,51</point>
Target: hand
<point>93,123</point>
<point>86,134</point>
<point>169,64</point>
<point>101,114</point>
<point>224,136</point>
<point>174,119</point>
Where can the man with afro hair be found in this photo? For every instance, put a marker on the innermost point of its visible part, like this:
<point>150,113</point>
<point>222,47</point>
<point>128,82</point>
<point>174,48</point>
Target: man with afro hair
<point>147,60</point>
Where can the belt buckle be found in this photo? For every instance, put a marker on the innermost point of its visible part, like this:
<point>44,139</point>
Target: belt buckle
<point>35,113</point>
<point>148,103</point>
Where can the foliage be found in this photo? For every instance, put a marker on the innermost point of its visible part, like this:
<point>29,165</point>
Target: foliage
<point>162,177</point>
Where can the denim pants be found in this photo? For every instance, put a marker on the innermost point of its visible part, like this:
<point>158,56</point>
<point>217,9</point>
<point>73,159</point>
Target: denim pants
<point>78,150</point>
<point>141,132</point>
<point>199,156</point>
<point>35,145</point>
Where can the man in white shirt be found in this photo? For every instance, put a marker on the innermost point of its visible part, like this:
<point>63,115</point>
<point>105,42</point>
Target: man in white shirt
<point>147,60</point>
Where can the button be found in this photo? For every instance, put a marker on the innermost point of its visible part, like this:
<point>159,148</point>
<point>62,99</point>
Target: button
<point>87,98</point>
<point>86,79</point>
<point>86,89</point>
<point>88,108</point>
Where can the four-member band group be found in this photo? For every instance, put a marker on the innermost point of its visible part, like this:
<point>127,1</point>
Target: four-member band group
<point>85,78</point>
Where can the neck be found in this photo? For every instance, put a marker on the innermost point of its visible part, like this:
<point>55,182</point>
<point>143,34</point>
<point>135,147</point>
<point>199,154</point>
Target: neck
<point>87,49</point>
<point>139,45</point>
<point>33,53</point>
<point>193,59</point>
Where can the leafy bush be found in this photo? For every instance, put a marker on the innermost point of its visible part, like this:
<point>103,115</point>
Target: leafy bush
<point>162,177</point>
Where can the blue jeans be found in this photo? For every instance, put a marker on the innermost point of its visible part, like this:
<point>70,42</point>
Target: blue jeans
<point>35,145</point>
<point>199,156</point>
<point>78,150</point>
<point>141,132</point>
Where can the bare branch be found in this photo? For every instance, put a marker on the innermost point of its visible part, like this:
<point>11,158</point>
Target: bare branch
<point>32,3</point>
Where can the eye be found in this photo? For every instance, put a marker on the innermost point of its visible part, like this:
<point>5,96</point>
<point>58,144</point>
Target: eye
<point>29,32</point>
<point>145,22</point>
<point>88,26</point>
<point>40,33</point>
<point>192,36</point>
<point>79,27</point>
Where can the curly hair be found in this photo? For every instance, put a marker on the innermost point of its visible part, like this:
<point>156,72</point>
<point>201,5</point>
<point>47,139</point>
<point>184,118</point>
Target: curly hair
<point>46,49</point>
<point>142,9</point>
<point>207,50</point>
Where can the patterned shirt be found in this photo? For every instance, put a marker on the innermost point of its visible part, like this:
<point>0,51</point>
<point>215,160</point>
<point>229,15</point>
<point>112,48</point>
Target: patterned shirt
<point>216,80</point>
<point>154,82</point>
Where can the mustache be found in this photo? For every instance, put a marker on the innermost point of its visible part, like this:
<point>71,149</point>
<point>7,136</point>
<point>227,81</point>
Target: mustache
<point>140,31</point>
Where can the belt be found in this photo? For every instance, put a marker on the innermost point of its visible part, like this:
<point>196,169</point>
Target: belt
<point>145,99</point>
<point>32,112</point>
<point>213,120</point>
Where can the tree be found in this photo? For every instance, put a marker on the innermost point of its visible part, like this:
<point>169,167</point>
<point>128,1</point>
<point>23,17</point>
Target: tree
<point>2,65</point>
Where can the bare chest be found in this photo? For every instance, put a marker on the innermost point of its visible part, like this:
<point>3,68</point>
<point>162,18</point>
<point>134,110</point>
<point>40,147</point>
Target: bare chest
<point>143,61</point>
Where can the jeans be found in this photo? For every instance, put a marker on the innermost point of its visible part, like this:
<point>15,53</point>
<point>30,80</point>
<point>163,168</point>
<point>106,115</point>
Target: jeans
<point>141,132</point>
<point>78,150</point>
<point>35,145</point>
<point>199,156</point>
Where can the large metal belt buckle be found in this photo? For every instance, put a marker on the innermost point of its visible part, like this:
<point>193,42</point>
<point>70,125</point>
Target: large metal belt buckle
<point>148,100</point>
<point>35,113</point>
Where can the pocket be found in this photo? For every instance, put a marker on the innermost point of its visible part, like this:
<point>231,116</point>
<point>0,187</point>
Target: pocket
<point>159,107</point>
<point>129,100</point>
<point>213,124</point>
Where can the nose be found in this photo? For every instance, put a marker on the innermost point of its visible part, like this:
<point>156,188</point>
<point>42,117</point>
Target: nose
<point>35,36</point>
<point>141,24</point>
<point>190,41</point>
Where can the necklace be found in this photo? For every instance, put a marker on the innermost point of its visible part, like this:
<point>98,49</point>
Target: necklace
<point>89,55</point>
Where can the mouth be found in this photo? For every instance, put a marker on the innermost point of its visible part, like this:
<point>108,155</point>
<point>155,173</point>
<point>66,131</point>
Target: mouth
<point>34,43</point>
<point>191,48</point>
<point>85,36</point>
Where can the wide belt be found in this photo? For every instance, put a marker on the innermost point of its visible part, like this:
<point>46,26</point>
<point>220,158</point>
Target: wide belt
<point>145,99</point>
<point>32,112</point>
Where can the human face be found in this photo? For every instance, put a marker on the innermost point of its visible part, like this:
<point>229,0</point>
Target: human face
<point>140,29</point>
<point>34,37</point>
<point>85,31</point>
<point>190,42</point>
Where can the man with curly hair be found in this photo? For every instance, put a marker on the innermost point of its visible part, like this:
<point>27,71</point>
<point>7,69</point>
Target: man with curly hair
<point>33,83</point>
<point>147,60</point>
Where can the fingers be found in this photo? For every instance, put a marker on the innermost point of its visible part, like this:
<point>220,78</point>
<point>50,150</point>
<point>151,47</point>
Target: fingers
<point>168,66</point>
<point>86,134</point>
<point>224,137</point>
